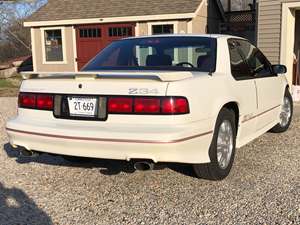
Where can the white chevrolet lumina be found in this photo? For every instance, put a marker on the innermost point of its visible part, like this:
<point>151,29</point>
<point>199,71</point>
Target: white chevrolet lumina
<point>175,98</point>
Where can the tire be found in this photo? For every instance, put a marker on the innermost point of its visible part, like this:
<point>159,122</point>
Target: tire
<point>284,124</point>
<point>215,170</point>
<point>76,160</point>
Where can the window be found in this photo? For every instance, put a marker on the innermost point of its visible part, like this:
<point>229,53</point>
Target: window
<point>163,29</point>
<point>53,45</point>
<point>120,31</point>
<point>194,54</point>
<point>258,63</point>
<point>239,67</point>
<point>90,33</point>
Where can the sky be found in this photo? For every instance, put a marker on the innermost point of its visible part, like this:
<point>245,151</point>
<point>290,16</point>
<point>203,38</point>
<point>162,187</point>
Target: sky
<point>23,7</point>
<point>9,10</point>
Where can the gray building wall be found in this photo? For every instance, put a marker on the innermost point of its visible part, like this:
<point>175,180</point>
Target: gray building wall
<point>269,27</point>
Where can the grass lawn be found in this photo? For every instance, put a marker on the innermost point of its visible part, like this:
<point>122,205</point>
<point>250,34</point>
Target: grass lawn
<point>9,87</point>
<point>5,83</point>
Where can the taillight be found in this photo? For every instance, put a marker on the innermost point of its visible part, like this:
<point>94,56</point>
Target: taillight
<point>175,105</point>
<point>117,105</point>
<point>120,105</point>
<point>36,101</point>
<point>148,105</point>
<point>44,102</point>
<point>27,100</point>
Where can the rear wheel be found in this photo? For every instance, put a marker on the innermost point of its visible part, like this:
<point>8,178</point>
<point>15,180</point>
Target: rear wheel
<point>222,149</point>
<point>286,114</point>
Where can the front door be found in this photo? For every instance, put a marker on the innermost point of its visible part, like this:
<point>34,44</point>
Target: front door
<point>91,39</point>
<point>244,85</point>
<point>268,85</point>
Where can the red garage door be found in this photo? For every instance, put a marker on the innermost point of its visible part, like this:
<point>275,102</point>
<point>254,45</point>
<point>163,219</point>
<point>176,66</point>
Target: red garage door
<point>93,38</point>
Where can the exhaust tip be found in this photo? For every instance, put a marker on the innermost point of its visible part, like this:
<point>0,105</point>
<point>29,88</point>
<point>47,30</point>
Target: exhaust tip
<point>143,166</point>
<point>28,153</point>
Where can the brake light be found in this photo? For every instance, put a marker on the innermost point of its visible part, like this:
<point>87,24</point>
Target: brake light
<point>120,105</point>
<point>27,100</point>
<point>147,105</point>
<point>44,102</point>
<point>175,105</point>
<point>36,101</point>
<point>117,105</point>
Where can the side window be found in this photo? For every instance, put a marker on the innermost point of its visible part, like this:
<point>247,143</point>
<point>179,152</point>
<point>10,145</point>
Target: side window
<point>258,63</point>
<point>239,67</point>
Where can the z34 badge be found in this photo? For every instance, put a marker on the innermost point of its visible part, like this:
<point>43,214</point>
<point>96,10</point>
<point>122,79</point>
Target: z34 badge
<point>143,91</point>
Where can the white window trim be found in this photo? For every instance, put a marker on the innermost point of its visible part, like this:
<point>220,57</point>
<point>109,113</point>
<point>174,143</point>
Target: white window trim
<point>63,36</point>
<point>174,23</point>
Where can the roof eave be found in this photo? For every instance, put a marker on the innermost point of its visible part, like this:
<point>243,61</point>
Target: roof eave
<point>110,20</point>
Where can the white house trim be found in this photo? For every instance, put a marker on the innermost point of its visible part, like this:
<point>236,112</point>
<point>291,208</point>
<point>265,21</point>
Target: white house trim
<point>137,29</point>
<point>63,36</point>
<point>288,36</point>
<point>74,48</point>
<point>33,49</point>
<point>111,20</point>
<point>204,2</point>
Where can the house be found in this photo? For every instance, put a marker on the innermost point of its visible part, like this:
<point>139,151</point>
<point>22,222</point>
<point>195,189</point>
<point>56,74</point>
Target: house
<point>66,34</point>
<point>279,33</point>
<point>239,18</point>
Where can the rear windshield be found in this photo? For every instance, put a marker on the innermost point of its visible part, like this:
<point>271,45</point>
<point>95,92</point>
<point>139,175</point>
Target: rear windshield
<point>157,53</point>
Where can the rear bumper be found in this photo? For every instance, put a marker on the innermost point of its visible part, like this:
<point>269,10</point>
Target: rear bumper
<point>184,144</point>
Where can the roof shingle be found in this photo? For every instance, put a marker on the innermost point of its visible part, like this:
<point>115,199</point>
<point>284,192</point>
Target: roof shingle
<point>87,9</point>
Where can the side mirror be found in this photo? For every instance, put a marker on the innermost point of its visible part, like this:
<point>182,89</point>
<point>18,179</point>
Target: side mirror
<point>279,69</point>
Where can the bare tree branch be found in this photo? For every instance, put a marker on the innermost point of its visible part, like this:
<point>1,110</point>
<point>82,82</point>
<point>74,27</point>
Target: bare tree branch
<point>18,39</point>
<point>15,39</point>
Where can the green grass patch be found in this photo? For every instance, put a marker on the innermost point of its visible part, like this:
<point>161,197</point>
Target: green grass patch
<point>4,83</point>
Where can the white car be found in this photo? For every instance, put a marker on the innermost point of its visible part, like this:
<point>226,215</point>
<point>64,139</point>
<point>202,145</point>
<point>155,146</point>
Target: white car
<point>173,98</point>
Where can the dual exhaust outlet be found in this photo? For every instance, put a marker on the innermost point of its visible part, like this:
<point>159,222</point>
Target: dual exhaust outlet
<point>138,165</point>
<point>28,153</point>
<point>143,165</point>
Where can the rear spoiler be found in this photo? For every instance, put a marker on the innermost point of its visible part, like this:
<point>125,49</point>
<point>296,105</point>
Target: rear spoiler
<point>165,76</point>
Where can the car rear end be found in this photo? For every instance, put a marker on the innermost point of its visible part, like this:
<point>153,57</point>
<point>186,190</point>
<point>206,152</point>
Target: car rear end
<point>122,115</point>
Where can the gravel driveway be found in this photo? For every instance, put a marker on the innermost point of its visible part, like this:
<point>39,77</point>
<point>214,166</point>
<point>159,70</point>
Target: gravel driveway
<point>263,188</point>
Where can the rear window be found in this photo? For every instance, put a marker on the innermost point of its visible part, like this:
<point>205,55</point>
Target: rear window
<point>157,53</point>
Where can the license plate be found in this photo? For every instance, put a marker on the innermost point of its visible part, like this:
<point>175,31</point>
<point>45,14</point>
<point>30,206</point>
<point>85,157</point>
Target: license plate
<point>83,106</point>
